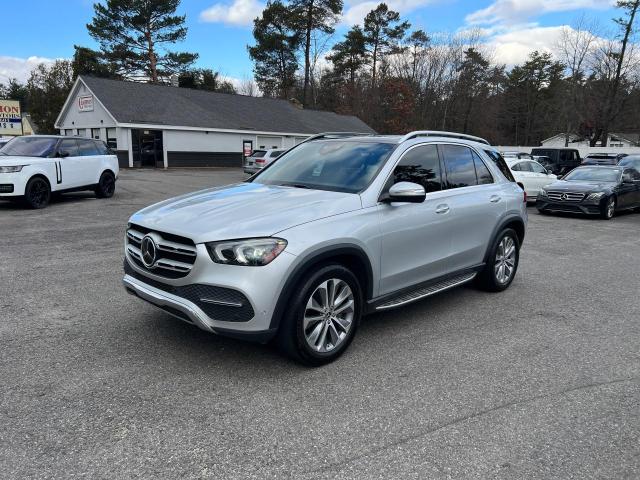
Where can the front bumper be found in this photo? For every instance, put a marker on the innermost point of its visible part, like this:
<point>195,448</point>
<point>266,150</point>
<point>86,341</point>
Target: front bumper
<point>568,207</point>
<point>16,181</point>
<point>225,299</point>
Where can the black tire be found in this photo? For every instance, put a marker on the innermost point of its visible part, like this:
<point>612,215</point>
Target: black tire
<point>543,212</point>
<point>106,185</point>
<point>37,193</point>
<point>608,208</point>
<point>292,338</point>
<point>488,279</point>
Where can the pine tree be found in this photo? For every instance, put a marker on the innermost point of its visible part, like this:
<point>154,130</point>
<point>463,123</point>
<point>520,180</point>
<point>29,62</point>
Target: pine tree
<point>134,35</point>
<point>383,31</point>
<point>274,54</point>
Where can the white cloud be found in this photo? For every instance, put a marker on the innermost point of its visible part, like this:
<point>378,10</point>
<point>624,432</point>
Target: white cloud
<point>356,10</point>
<point>19,68</point>
<point>239,13</point>
<point>515,11</point>
<point>515,46</point>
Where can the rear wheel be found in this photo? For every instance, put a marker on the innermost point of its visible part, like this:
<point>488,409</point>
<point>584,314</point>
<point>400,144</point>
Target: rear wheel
<point>323,316</point>
<point>37,193</point>
<point>106,185</point>
<point>502,262</point>
<point>608,208</point>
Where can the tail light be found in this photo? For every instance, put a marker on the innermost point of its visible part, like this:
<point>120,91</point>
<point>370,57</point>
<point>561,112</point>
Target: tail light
<point>260,160</point>
<point>524,196</point>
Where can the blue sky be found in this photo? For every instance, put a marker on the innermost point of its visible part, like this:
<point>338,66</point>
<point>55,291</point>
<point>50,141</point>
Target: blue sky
<point>219,30</point>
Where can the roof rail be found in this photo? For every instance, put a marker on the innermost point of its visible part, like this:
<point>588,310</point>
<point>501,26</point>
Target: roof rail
<point>435,133</point>
<point>336,135</point>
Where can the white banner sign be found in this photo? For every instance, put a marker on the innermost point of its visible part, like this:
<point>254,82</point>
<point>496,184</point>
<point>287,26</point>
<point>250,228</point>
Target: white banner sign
<point>10,118</point>
<point>85,103</point>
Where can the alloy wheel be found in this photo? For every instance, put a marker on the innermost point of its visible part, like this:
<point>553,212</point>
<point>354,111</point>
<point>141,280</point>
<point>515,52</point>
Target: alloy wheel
<point>505,260</point>
<point>38,193</point>
<point>328,315</point>
<point>611,207</point>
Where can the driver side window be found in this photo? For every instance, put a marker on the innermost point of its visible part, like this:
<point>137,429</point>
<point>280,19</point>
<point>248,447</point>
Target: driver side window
<point>420,165</point>
<point>70,146</point>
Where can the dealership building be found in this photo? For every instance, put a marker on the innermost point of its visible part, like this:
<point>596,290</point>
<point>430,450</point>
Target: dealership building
<point>164,126</point>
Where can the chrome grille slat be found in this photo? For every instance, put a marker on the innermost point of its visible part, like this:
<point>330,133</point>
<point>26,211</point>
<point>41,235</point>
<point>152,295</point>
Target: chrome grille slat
<point>173,260</point>
<point>556,195</point>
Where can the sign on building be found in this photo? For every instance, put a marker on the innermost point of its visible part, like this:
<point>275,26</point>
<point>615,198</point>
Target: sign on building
<point>10,118</point>
<point>85,103</point>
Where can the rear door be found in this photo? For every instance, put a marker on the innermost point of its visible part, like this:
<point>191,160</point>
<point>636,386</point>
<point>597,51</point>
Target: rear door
<point>523,174</point>
<point>89,164</point>
<point>476,204</point>
<point>416,237</point>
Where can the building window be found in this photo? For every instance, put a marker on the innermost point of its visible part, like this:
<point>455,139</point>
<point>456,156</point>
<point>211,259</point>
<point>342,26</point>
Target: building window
<point>95,133</point>
<point>68,132</point>
<point>82,132</point>
<point>112,141</point>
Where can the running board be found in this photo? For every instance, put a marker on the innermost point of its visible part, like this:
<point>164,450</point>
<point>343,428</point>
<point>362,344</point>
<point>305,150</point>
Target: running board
<point>414,295</point>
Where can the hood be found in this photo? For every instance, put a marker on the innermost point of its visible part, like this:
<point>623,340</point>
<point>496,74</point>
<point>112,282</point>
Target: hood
<point>564,186</point>
<point>10,160</point>
<point>243,210</point>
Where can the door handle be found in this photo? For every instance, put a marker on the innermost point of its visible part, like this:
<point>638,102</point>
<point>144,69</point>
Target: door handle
<point>442,208</point>
<point>494,198</point>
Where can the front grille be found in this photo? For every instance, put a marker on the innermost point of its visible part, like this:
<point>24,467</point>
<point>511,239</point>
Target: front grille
<point>6,188</point>
<point>219,303</point>
<point>175,255</point>
<point>560,196</point>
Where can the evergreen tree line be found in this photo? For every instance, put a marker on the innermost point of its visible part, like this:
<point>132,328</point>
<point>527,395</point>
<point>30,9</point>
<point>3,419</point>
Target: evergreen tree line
<point>397,79</point>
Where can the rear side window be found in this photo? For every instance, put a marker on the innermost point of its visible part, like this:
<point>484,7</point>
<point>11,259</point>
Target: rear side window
<point>275,153</point>
<point>87,148</point>
<point>69,146</point>
<point>420,165</point>
<point>522,167</point>
<point>458,161</point>
<point>482,172</point>
<point>501,164</point>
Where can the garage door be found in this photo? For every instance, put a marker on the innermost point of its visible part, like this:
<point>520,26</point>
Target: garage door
<point>269,142</point>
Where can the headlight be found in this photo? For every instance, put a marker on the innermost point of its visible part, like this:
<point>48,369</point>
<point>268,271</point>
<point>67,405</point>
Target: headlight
<point>543,192</point>
<point>595,196</point>
<point>254,252</point>
<point>12,169</point>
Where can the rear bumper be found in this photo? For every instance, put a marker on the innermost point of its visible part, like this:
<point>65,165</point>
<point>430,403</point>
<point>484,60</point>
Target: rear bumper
<point>252,170</point>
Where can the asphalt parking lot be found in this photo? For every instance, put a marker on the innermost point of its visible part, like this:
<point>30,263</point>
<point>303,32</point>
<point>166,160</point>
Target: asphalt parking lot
<point>541,381</point>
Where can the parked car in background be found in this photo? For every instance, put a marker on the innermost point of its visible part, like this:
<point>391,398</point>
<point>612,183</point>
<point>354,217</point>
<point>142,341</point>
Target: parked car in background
<point>603,158</point>
<point>593,190</point>
<point>333,230</point>
<point>4,141</point>
<point>519,155</point>
<point>560,160</point>
<point>260,159</point>
<point>531,175</point>
<point>32,167</point>
<point>630,161</point>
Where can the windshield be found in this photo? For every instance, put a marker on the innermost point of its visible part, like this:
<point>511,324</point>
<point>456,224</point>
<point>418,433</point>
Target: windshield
<point>337,165</point>
<point>594,175</point>
<point>30,147</point>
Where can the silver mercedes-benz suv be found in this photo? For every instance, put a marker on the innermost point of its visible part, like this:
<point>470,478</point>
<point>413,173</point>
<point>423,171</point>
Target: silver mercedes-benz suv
<point>339,226</point>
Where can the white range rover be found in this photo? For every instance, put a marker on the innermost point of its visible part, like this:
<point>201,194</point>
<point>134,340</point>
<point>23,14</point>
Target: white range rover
<point>33,167</point>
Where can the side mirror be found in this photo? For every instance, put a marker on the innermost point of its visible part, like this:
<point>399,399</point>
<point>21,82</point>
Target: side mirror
<point>407,192</point>
<point>63,154</point>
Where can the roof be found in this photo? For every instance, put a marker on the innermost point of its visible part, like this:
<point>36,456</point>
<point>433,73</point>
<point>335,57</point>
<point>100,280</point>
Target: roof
<point>145,103</point>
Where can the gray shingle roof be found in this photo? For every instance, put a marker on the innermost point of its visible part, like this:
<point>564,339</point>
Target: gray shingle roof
<point>131,102</point>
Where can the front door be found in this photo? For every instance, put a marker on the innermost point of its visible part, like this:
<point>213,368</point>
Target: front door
<point>415,236</point>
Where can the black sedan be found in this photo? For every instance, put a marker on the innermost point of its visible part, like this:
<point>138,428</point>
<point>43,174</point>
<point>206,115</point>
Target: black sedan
<point>597,190</point>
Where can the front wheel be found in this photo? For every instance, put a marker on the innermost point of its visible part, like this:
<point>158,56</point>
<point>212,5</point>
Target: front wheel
<point>37,193</point>
<point>502,262</point>
<point>106,185</point>
<point>608,208</point>
<point>323,316</point>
